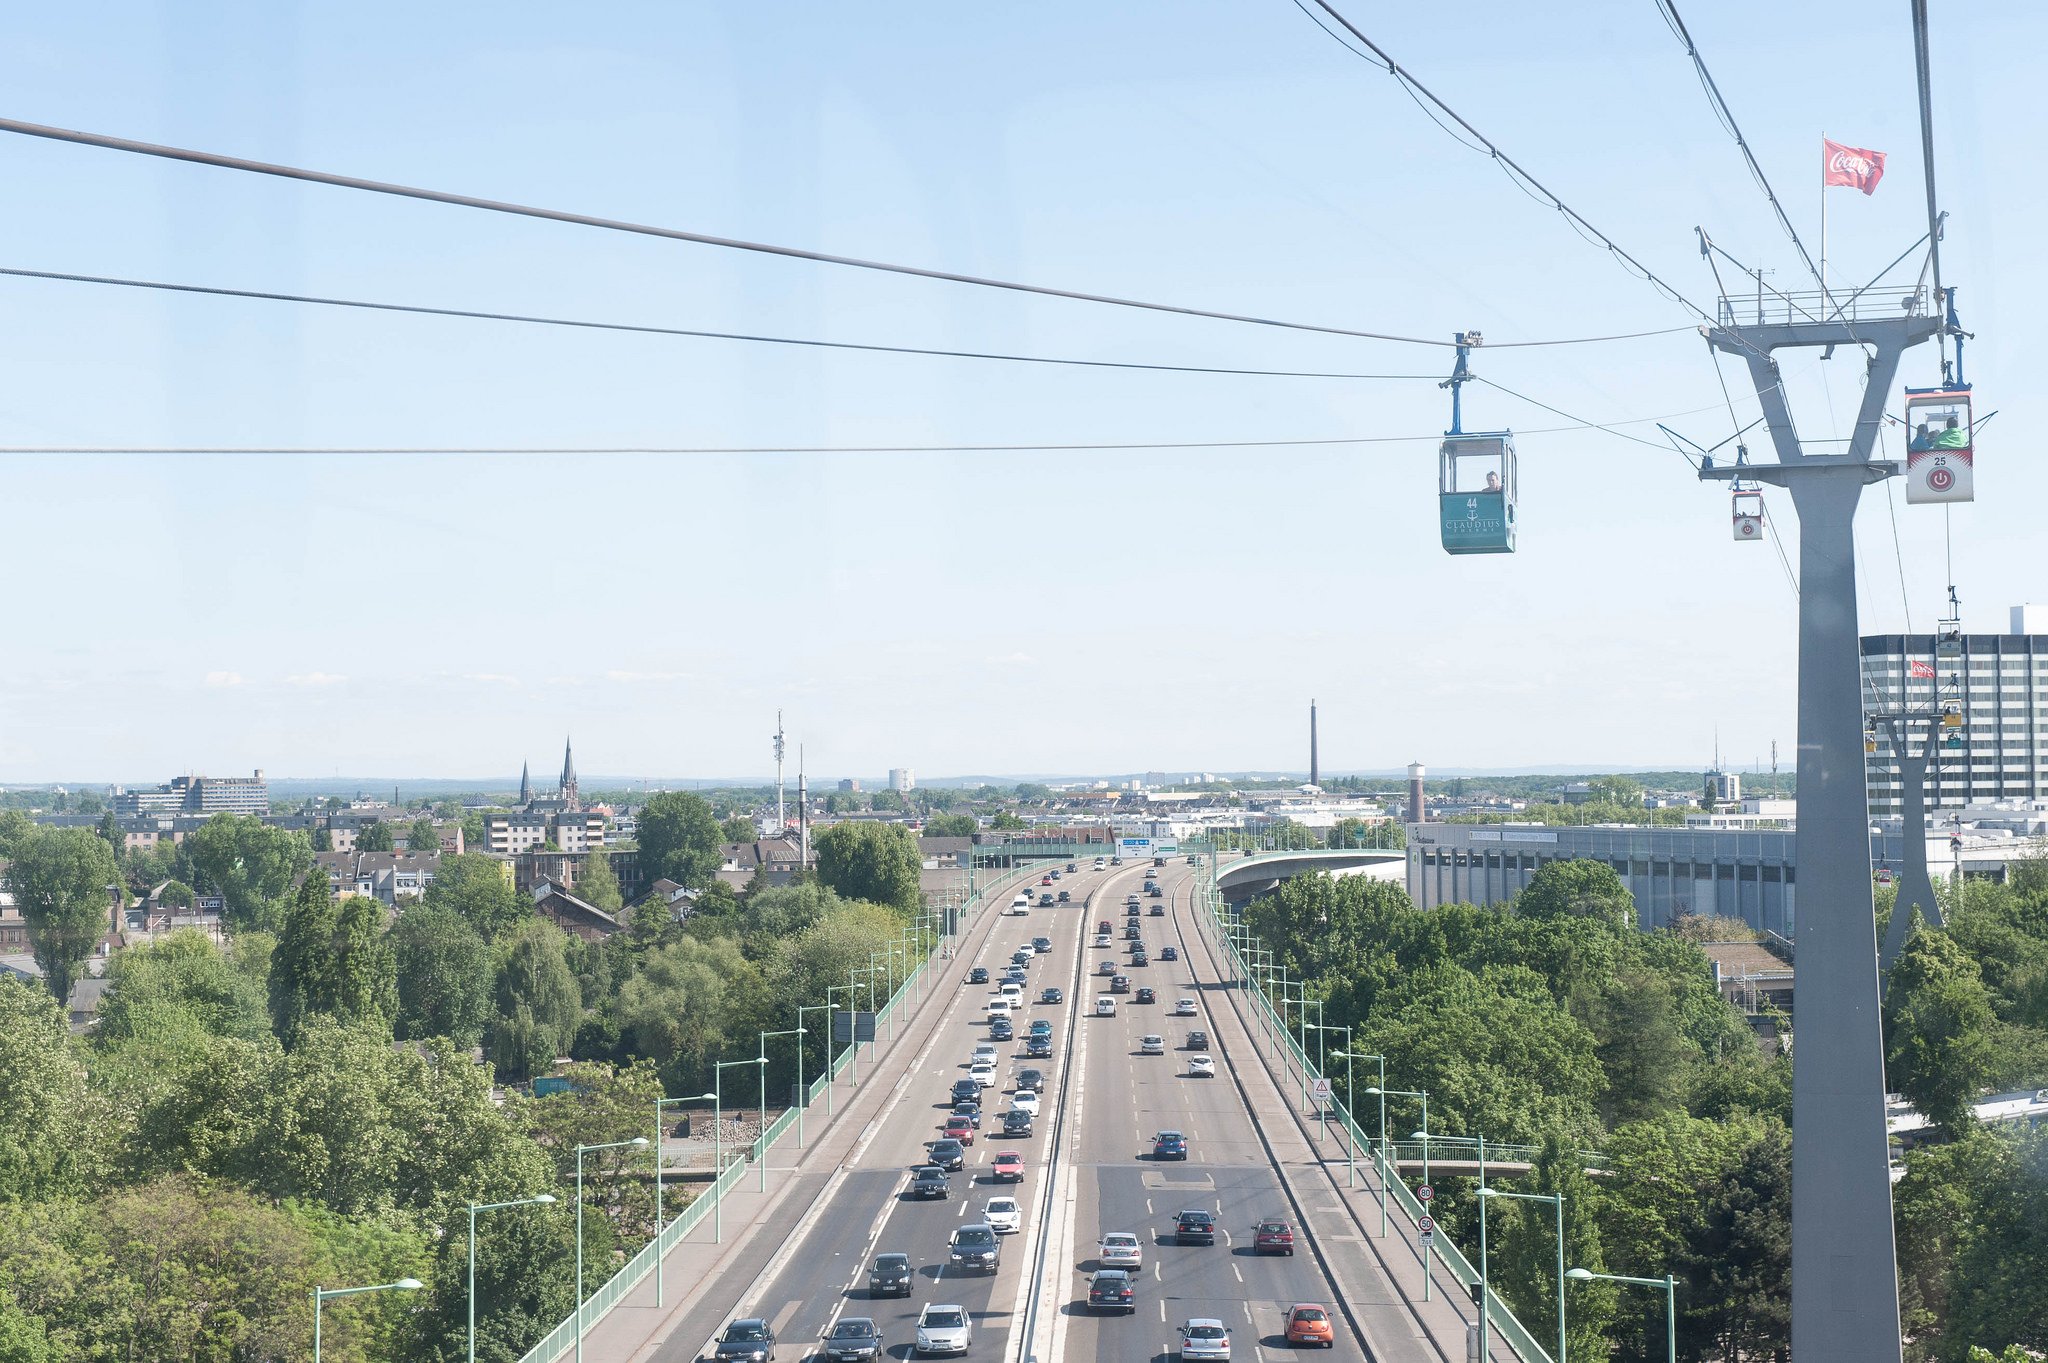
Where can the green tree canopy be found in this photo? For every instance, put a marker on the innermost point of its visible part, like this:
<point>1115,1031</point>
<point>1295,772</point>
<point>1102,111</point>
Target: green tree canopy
<point>1577,889</point>
<point>332,959</point>
<point>595,883</point>
<point>679,839</point>
<point>252,865</point>
<point>1937,1022</point>
<point>445,972</point>
<point>46,1113</point>
<point>60,878</point>
<point>871,861</point>
<point>738,828</point>
<point>422,838</point>
<point>183,980</point>
<point>475,888</point>
<point>537,1003</point>
<point>376,835</point>
<point>951,826</point>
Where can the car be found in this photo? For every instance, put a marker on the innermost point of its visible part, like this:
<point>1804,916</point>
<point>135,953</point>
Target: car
<point>1119,984</point>
<point>1106,968</point>
<point>1110,1290</point>
<point>854,1340</point>
<point>998,1007</point>
<point>1201,1067</point>
<point>970,1111</point>
<point>947,1153</point>
<point>1041,1026</point>
<point>1131,932</point>
<point>1102,939</point>
<point>1024,1100</point>
<point>1138,956</point>
<point>1116,861</point>
<point>1150,1045</point>
<point>1105,1007</point>
<point>1054,874</point>
<point>1030,1079</point>
<point>1015,974</point>
<point>1145,995</point>
<point>1020,906</point>
<point>1038,1048</point>
<point>1204,1338</point>
<point>1004,1215</point>
<point>942,1330</point>
<point>960,1129</point>
<point>1170,1145</point>
<point>1158,911</point>
<point>746,1341</point>
<point>983,1074</point>
<point>1194,1227</point>
<point>975,1247</point>
<point>1011,990</point>
<point>1008,1167</point>
<point>1052,993</point>
<point>1169,953</point>
<point>1045,879</point>
<point>1309,1323</point>
<point>1184,1007</point>
<point>984,1050</point>
<point>1273,1237</point>
<point>1020,958</point>
<point>890,1275</point>
<point>1017,1122</point>
<point>1065,897</point>
<point>1102,925</point>
<point>1042,945</point>
<point>1045,900</point>
<point>978,975</point>
<point>1001,1030</point>
<point>1120,1249</point>
<point>1098,863</point>
<point>966,1091</point>
<point>1198,1041</point>
<point>1073,868</point>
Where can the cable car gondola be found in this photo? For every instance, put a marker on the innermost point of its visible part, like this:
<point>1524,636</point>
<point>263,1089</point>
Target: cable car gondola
<point>1476,493</point>
<point>1748,503</point>
<point>1940,459</point>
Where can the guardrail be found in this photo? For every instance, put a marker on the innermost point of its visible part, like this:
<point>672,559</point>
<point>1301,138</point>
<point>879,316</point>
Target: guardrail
<point>1500,1317</point>
<point>614,1289</point>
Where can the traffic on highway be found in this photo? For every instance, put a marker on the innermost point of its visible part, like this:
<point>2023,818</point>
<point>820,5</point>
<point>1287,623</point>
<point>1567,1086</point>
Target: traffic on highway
<point>1066,1157</point>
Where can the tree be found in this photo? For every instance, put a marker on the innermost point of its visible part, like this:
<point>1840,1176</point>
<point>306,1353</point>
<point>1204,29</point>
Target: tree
<point>60,878</point>
<point>595,883</point>
<point>601,1101</point>
<point>252,865</point>
<point>1735,1272</point>
<point>299,969</point>
<point>537,1004</point>
<point>679,840</point>
<point>45,1111</point>
<point>1577,889</point>
<point>472,829</point>
<point>332,959</point>
<point>1937,1022</point>
<point>375,836</point>
<point>364,978</point>
<point>181,981</point>
<point>422,839</point>
<point>738,828</point>
<point>1647,1058</point>
<point>1523,1237</point>
<point>175,894</point>
<point>110,833</point>
<point>445,973</point>
<point>476,888</point>
<point>525,1285</point>
<point>871,861</point>
<point>1006,822</point>
<point>15,826</point>
<point>951,826</point>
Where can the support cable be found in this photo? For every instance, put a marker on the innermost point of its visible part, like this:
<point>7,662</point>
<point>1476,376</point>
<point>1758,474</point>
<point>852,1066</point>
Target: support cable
<point>420,310</point>
<point>223,162</point>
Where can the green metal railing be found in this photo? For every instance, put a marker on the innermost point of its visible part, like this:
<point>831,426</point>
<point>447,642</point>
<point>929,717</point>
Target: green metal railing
<point>562,1339</point>
<point>1271,1025</point>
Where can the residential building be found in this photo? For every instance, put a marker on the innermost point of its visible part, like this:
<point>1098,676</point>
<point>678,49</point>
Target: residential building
<point>1998,685</point>
<point>776,860</point>
<point>383,876</point>
<point>198,795</point>
<point>849,786</point>
<point>509,835</point>
<point>565,869</point>
<point>573,915</point>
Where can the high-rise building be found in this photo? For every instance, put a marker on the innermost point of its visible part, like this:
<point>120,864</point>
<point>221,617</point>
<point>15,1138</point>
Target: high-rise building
<point>199,795</point>
<point>902,780</point>
<point>1998,685</point>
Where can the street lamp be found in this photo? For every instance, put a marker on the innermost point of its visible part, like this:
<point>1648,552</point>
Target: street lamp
<point>661,1220</point>
<point>826,1009</point>
<point>1382,1148</point>
<point>1667,1282</point>
<point>540,1199</point>
<point>718,1070</point>
<point>1323,1109</point>
<point>638,1142</point>
<point>852,1030</point>
<point>1395,1162</point>
<point>795,1032</point>
<point>321,1294</point>
<point>1556,1200</point>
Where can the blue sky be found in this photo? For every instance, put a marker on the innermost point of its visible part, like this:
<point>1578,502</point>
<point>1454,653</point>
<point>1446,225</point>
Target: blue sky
<point>448,615</point>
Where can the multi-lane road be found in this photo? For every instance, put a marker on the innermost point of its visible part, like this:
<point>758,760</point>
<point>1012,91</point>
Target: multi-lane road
<point>1104,1102</point>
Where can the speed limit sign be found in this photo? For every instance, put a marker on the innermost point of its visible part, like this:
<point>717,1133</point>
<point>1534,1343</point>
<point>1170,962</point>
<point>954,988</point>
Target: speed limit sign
<point>1425,1224</point>
<point>1424,1193</point>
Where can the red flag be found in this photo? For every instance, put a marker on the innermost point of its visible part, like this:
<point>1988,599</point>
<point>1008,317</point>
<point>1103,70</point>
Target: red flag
<point>1917,669</point>
<point>1853,166</point>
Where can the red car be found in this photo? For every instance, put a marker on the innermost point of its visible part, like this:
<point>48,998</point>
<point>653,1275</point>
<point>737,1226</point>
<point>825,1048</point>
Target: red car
<point>1102,925</point>
<point>1308,1323</point>
<point>960,1129</point>
<point>1273,1237</point>
<point>1045,880</point>
<point>1009,1167</point>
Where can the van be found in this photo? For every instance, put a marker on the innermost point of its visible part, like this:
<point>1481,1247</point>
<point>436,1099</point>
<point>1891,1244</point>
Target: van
<point>1021,905</point>
<point>999,1007</point>
<point>1105,1006</point>
<point>1012,991</point>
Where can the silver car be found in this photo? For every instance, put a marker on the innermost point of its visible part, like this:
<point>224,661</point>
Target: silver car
<point>943,1330</point>
<point>1204,1338</point>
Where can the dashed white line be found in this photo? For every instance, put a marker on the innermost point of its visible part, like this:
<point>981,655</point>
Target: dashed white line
<point>1238,1271</point>
<point>1247,1311</point>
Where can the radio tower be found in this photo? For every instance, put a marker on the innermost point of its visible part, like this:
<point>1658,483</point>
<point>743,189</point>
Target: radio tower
<point>779,816</point>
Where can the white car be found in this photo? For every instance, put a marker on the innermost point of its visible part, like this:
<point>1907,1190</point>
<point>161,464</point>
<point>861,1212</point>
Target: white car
<point>1021,906</point>
<point>1003,1215</point>
<point>1027,948</point>
<point>983,1073</point>
<point>1099,863</point>
<point>1201,1067</point>
<point>1105,1007</point>
<point>1206,1339</point>
<point>999,1006</point>
<point>1024,1100</point>
<point>1120,1249</point>
<point>1184,1008</point>
<point>1152,1045</point>
<point>943,1330</point>
<point>1102,939</point>
<point>1012,991</point>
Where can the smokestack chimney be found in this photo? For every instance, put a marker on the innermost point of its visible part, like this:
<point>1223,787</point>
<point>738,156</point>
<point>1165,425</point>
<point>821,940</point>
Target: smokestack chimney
<point>1314,772</point>
<point>1417,812</point>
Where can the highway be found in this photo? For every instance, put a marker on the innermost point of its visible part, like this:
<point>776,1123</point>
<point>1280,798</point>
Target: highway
<point>1116,1099</point>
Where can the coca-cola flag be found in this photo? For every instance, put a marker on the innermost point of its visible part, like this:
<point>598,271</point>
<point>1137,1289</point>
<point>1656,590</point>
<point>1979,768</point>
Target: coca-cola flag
<point>1919,671</point>
<point>1856,167</point>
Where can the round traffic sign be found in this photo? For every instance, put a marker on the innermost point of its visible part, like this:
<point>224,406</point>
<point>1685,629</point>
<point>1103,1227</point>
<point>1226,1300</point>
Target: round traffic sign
<point>1425,1224</point>
<point>1424,1193</point>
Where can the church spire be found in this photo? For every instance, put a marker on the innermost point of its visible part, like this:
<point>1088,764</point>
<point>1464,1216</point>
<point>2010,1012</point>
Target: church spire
<point>525,786</point>
<point>568,776</point>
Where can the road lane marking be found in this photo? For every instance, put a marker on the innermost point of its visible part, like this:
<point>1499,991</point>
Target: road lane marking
<point>1238,1271</point>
